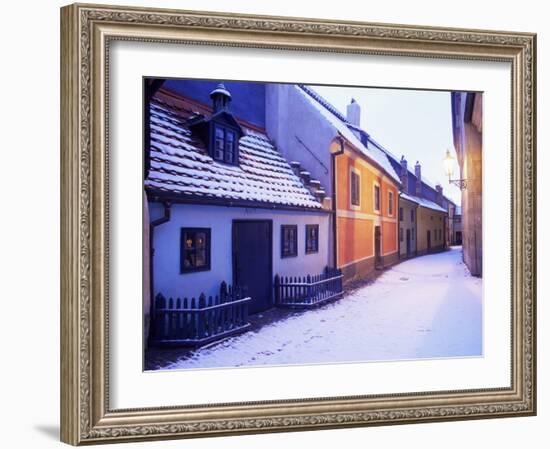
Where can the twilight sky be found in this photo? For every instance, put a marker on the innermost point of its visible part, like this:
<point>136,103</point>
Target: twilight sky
<point>414,123</point>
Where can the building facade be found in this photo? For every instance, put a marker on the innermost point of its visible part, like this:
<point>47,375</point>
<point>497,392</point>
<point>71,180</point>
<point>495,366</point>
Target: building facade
<point>366,221</point>
<point>362,185</point>
<point>431,230</point>
<point>224,205</point>
<point>457,226</point>
<point>467,112</point>
<point>408,210</point>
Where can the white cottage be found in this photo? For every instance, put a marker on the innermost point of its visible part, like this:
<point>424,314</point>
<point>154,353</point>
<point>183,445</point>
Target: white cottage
<point>225,205</point>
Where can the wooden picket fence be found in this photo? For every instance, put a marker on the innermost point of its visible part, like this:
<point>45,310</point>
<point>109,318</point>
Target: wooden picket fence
<point>308,291</point>
<point>196,322</point>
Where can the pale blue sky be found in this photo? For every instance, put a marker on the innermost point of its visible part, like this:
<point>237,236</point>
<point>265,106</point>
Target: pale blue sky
<point>414,123</point>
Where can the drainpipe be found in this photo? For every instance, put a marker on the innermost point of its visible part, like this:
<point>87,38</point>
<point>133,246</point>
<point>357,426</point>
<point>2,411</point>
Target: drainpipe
<point>165,218</point>
<point>399,226</point>
<point>335,212</point>
<point>416,230</point>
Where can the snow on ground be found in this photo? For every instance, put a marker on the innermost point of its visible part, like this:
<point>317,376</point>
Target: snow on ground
<point>425,307</point>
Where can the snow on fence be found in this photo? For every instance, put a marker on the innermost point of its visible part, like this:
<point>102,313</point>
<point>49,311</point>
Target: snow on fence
<point>196,322</point>
<point>308,291</point>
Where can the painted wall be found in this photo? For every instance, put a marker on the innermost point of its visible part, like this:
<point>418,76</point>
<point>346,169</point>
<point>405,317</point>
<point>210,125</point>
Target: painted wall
<point>355,240</point>
<point>167,276</point>
<point>355,224</point>
<point>299,131</point>
<point>433,221</point>
<point>468,138</point>
<point>407,224</point>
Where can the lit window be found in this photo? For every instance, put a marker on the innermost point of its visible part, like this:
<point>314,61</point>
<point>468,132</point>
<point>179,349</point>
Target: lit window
<point>289,241</point>
<point>312,239</point>
<point>195,249</point>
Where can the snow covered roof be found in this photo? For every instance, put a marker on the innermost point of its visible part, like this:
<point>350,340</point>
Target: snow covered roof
<point>422,202</point>
<point>181,166</point>
<point>339,122</point>
<point>410,168</point>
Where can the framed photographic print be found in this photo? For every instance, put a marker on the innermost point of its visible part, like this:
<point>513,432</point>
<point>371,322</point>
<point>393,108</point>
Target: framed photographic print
<point>280,224</point>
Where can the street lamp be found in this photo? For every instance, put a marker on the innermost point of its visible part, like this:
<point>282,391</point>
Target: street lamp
<point>449,163</point>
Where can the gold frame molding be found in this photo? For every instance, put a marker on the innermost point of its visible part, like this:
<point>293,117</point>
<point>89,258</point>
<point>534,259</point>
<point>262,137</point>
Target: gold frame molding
<point>86,31</point>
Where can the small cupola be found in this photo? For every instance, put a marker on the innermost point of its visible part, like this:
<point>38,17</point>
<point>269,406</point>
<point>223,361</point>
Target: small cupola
<point>220,131</point>
<point>220,98</point>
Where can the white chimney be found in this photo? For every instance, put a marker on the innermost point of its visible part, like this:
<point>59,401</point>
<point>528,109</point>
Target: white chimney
<point>418,174</point>
<point>354,113</point>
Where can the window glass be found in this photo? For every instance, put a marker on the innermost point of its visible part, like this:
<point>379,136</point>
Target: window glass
<point>224,145</point>
<point>289,240</point>
<point>229,147</point>
<point>312,239</point>
<point>219,144</point>
<point>355,189</point>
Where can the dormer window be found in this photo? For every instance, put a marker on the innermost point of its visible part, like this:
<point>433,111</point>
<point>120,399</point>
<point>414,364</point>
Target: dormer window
<point>221,131</point>
<point>223,145</point>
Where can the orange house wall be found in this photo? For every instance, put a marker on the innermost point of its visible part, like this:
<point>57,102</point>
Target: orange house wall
<point>355,235</point>
<point>355,240</point>
<point>389,238</point>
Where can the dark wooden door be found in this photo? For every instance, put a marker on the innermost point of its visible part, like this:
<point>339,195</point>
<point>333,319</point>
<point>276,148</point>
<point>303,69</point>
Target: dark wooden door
<point>252,262</point>
<point>408,242</point>
<point>429,240</point>
<point>377,246</point>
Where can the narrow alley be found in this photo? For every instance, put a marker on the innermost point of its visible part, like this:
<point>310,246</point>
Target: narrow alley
<point>426,307</point>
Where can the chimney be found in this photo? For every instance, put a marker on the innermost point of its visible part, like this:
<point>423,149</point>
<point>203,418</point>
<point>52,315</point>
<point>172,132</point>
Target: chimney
<point>353,114</point>
<point>220,98</point>
<point>418,174</point>
<point>439,191</point>
<point>404,175</point>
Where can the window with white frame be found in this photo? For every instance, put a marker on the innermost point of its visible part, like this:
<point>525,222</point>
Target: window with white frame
<point>390,203</point>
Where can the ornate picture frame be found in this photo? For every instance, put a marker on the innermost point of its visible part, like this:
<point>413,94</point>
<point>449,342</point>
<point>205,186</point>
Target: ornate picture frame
<point>87,32</point>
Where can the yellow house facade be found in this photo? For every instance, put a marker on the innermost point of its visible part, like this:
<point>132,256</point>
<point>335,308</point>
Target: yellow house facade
<point>430,230</point>
<point>407,228</point>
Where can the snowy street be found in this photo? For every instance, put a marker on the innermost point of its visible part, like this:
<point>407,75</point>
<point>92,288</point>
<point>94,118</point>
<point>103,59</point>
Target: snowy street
<point>428,306</point>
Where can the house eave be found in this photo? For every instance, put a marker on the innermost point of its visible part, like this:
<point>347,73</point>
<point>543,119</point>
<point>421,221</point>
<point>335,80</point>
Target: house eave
<point>176,198</point>
<point>370,160</point>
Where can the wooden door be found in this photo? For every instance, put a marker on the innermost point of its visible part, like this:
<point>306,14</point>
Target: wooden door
<point>252,261</point>
<point>429,240</point>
